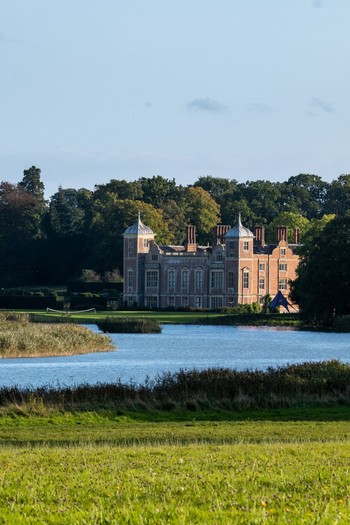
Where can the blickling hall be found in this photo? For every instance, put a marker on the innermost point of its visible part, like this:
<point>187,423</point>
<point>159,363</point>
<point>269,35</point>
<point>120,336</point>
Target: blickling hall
<point>238,268</point>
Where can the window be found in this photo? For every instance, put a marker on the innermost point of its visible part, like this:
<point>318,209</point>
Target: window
<point>282,284</point>
<point>216,302</point>
<point>171,301</point>
<point>261,300</point>
<point>129,301</point>
<point>198,302</point>
<point>282,252</point>
<point>283,267</point>
<point>171,279</point>
<point>216,279</point>
<point>219,257</point>
<point>130,279</point>
<point>231,280</point>
<point>151,279</point>
<point>184,301</point>
<point>261,283</point>
<point>261,267</point>
<point>130,247</point>
<point>245,279</point>
<point>145,243</point>
<point>154,257</point>
<point>185,278</point>
<point>246,246</point>
<point>231,252</point>
<point>198,279</point>
<point>151,301</point>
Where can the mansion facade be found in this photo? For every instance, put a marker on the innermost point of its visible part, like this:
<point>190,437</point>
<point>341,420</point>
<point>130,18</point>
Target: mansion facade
<point>238,268</point>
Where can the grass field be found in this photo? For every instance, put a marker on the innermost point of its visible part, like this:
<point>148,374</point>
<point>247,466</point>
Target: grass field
<point>93,468</point>
<point>162,317</point>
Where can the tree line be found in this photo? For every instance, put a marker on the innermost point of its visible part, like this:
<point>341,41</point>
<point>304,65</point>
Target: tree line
<point>55,240</point>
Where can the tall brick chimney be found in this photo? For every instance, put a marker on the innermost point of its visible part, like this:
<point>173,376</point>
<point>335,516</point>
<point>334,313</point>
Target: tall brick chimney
<point>259,234</point>
<point>296,236</point>
<point>191,244</point>
<point>282,233</point>
<point>219,232</point>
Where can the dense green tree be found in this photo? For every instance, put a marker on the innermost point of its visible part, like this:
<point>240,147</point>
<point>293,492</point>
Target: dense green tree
<point>232,206</point>
<point>263,198</point>
<point>217,187</point>
<point>157,190</point>
<point>70,212</point>
<point>322,286</point>
<point>121,188</point>
<point>110,218</point>
<point>305,194</point>
<point>20,231</point>
<point>175,216</point>
<point>314,231</point>
<point>32,183</point>
<point>338,197</point>
<point>202,211</point>
<point>291,220</point>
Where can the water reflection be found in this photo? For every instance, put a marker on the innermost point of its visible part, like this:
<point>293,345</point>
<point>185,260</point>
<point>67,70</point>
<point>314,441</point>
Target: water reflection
<point>178,346</point>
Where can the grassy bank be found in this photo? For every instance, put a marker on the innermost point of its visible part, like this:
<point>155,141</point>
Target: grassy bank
<point>164,317</point>
<point>21,338</point>
<point>122,472</point>
<point>187,448</point>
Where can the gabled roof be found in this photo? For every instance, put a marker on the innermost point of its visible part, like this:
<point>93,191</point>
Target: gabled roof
<point>239,230</point>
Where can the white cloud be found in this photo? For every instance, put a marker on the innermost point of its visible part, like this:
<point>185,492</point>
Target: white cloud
<point>206,104</point>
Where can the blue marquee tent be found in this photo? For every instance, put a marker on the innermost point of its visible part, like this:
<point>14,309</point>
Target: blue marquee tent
<point>279,300</point>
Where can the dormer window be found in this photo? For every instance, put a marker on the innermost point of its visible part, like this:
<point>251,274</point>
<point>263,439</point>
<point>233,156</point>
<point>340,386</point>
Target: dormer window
<point>219,257</point>
<point>282,252</point>
<point>154,257</point>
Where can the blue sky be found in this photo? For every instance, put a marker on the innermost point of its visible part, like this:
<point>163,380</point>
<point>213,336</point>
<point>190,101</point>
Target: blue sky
<point>245,89</point>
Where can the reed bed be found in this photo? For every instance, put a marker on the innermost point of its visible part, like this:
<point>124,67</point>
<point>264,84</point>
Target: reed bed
<point>21,338</point>
<point>311,384</point>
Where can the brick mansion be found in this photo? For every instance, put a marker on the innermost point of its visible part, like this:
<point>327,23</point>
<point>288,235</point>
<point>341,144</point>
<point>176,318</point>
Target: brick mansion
<point>238,268</point>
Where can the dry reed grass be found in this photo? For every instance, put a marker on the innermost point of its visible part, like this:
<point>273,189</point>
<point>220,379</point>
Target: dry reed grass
<point>21,338</point>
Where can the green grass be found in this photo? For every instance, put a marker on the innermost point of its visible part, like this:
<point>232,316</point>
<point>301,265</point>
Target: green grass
<point>90,469</point>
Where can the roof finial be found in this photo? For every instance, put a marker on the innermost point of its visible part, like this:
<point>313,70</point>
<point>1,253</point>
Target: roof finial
<point>239,219</point>
<point>139,217</point>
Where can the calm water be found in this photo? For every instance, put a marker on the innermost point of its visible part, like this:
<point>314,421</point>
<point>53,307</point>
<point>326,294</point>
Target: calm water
<point>181,346</point>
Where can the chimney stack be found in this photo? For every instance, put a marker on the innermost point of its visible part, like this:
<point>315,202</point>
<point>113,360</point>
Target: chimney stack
<point>296,236</point>
<point>219,232</point>
<point>191,244</point>
<point>282,233</point>
<point>259,234</point>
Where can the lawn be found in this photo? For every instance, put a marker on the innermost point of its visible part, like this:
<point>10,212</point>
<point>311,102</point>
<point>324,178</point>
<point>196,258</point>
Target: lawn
<point>94,469</point>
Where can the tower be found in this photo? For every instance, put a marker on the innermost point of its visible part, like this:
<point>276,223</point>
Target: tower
<point>137,241</point>
<point>239,264</point>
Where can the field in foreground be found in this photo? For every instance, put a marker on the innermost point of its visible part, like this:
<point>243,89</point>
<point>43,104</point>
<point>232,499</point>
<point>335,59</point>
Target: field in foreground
<point>93,469</point>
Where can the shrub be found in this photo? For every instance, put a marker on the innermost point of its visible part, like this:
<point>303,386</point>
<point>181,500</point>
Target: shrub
<point>129,326</point>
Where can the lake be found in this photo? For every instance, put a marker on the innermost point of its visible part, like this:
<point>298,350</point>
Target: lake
<point>178,347</point>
